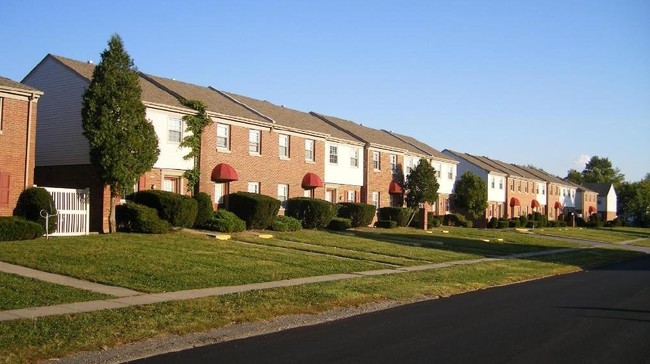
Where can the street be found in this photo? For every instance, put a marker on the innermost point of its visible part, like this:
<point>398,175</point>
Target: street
<point>600,315</point>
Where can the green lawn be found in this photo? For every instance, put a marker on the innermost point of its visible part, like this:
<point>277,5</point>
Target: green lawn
<point>20,292</point>
<point>173,262</point>
<point>347,244</point>
<point>57,336</point>
<point>609,235</point>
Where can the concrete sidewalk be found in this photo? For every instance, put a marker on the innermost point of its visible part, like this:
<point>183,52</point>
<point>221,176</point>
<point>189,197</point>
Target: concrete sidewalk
<point>135,298</point>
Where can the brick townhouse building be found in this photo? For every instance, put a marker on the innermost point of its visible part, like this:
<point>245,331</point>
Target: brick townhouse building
<point>555,204</point>
<point>18,110</point>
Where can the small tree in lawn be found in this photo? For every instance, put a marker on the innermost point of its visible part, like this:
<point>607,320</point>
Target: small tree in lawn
<point>421,186</point>
<point>122,142</point>
<point>471,195</point>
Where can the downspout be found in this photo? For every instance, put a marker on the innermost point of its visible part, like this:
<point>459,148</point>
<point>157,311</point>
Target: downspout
<point>29,133</point>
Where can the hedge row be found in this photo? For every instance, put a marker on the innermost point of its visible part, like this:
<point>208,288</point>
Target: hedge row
<point>17,228</point>
<point>225,222</point>
<point>359,214</point>
<point>312,213</point>
<point>258,211</point>
<point>135,218</point>
<point>400,215</point>
<point>177,209</point>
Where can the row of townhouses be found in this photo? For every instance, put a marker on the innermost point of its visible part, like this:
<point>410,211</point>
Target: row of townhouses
<point>252,145</point>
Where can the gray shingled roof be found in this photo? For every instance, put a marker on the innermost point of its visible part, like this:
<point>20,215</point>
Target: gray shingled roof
<point>10,84</point>
<point>213,100</point>
<point>291,118</point>
<point>600,188</point>
<point>150,92</point>
<point>477,161</point>
<point>421,146</point>
<point>375,137</point>
<point>545,175</point>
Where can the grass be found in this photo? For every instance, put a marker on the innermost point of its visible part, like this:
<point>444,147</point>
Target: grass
<point>20,292</point>
<point>345,244</point>
<point>608,235</point>
<point>57,336</point>
<point>150,263</point>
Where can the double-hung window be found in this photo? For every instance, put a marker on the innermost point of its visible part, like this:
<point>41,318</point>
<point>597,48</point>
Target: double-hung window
<point>393,163</point>
<point>352,195</point>
<point>283,195</point>
<point>254,187</point>
<point>174,130</point>
<point>334,154</point>
<point>450,174</point>
<point>223,136</point>
<point>376,161</point>
<point>354,158</point>
<point>284,146</point>
<point>254,145</point>
<point>309,150</point>
<point>375,199</point>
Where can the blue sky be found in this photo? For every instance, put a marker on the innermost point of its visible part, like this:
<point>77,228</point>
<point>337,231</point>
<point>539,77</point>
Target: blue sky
<point>530,82</point>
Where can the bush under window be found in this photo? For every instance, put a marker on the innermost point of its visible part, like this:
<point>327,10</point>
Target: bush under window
<point>312,213</point>
<point>226,222</point>
<point>31,202</point>
<point>401,215</point>
<point>360,214</point>
<point>135,218</point>
<point>285,223</point>
<point>257,211</point>
<point>175,208</point>
<point>339,224</point>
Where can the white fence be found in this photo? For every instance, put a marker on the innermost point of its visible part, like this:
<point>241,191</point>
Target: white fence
<point>73,210</point>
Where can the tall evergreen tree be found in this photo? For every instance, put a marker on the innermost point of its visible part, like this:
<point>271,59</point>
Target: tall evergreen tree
<point>122,142</point>
<point>471,195</point>
<point>421,185</point>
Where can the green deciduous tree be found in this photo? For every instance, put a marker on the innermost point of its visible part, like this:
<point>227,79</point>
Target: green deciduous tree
<point>471,195</point>
<point>634,201</point>
<point>421,185</point>
<point>122,142</point>
<point>597,170</point>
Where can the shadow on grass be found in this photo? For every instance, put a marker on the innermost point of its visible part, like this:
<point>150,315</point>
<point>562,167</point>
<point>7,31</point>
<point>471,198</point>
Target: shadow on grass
<point>629,233</point>
<point>583,258</point>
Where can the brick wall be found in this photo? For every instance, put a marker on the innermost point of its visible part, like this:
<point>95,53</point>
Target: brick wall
<point>379,180</point>
<point>525,198</point>
<point>13,149</point>
<point>267,168</point>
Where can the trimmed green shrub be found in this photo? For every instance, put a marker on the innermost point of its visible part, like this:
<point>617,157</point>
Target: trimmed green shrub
<point>433,221</point>
<point>614,223</point>
<point>360,214</point>
<point>205,210</point>
<point>285,223</point>
<point>514,222</point>
<point>135,218</point>
<point>312,213</point>
<point>339,224</point>
<point>401,215</point>
<point>542,220</point>
<point>172,207</point>
<point>455,220</point>
<point>492,224</point>
<point>386,224</point>
<point>502,224</point>
<point>225,221</point>
<point>17,228</point>
<point>595,221</point>
<point>467,224</point>
<point>258,211</point>
<point>30,203</point>
<point>523,220</point>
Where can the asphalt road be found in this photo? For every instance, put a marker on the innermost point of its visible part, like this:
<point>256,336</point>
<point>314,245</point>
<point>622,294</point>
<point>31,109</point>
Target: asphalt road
<point>597,316</point>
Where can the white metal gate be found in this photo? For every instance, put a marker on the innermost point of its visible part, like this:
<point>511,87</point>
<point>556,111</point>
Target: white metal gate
<point>73,210</point>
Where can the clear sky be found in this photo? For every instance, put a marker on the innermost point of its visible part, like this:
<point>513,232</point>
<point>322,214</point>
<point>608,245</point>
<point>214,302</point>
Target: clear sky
<point>547,83</point>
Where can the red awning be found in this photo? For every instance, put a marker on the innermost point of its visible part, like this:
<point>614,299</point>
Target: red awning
<point>534,204</point>
<point>395,188</point>
<point>311,181</point>
<point>223,172</point>
<point>514,202</point>
<point>592,209</point>
<point>558,205</point>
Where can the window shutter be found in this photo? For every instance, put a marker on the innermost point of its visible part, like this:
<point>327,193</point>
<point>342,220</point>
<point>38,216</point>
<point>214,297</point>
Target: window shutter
<point>4,189</point>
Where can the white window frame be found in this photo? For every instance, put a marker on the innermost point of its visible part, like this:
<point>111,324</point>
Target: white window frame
<point>376,160</point>
<point>450,174</point>
<point>354,158</point>
<point>284,146</point>
<point>224,137</point>
<point>352,196</point>
<point>253,187</point>
<point>334,154</point>
<point>283,195</point>
<point>500,183</point>
<point>393,163</point>
<point>310,156</point>
<point>254,142</point>
<point>174,129</point>
<point>2,99</point>
<point>493,184</point>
